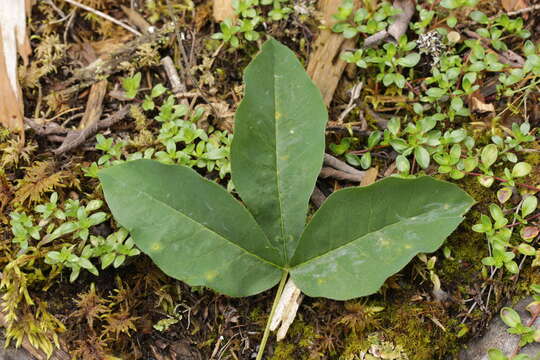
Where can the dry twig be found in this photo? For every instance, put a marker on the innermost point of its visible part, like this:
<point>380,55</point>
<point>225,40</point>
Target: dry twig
<point>337,164</point>
<point>177,85</point>
<point>396,29</point>
<point>317,197</point>
<point>74,138</point>
<point>103,15</point>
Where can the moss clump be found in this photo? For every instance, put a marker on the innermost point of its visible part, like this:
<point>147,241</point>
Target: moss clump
<point>300,343</point>
<point>416,328</point>
<point>354,346</point>
<point>374,347</point>
<point>284,351</point>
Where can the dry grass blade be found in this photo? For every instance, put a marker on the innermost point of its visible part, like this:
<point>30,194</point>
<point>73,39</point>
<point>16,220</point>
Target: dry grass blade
<point>103,15</point>
<point>13,41</point>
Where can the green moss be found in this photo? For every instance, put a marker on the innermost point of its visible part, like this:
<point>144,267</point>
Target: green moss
<point>373,347</point>
<point>355,345</point>
<point>284,351</point>
<point>414,327</point>
<point>533,178</point>
<point>299,343</point>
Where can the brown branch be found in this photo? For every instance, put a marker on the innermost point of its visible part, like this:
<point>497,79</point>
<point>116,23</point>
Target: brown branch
<point>337,164</point>
<point>74,138</point>
<point>176,84</point>
<point>327,172</point>
<point>397,28</point>
<point>317,197</point>
<point>50,128</point>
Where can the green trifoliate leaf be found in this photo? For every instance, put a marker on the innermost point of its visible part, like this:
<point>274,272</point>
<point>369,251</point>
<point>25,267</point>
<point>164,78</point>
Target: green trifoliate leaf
<point>195,231</point>
<point>278,145</point>
<point>361,236</point>
<point>191,228</point>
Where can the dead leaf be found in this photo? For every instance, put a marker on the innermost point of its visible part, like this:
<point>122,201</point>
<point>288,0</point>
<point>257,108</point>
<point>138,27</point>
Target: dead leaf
<point>224,116</point>
<point>223,9</point>
<point>370,176</point>
<point>13,41</point>
<point>203,14</point>
<point>514,5</point>
<point>480,106</point>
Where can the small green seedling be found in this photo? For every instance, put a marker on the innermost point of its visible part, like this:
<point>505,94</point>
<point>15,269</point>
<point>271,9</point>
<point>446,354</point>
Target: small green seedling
<point>195,231</point>
<point>511,318</point>
<point>131,85</point>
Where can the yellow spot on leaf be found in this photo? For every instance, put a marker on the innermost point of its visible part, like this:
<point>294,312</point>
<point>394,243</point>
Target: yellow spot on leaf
<point>156,246</point>
<point>382,242</point>
<point>211,275</point>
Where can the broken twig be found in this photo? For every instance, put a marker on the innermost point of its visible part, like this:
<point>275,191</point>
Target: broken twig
<point>74,138</point>
<point>103,15</point>
<point>397,28</point>
<point>337,164</point>
<point>327,172</point>
<point>177,85</point>
<point>317,197</point>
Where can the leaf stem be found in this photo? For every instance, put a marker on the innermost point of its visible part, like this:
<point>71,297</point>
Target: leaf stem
<point>262,346</point>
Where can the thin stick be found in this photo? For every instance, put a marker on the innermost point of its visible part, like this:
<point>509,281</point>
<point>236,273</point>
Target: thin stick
<point>103,15</point>
<point>271,316</point>
<point>525,10</point>
<point>185,59</point>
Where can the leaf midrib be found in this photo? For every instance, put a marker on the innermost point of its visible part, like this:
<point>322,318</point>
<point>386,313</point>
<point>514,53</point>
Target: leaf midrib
<point>281,218</point>
<point>200,224</point>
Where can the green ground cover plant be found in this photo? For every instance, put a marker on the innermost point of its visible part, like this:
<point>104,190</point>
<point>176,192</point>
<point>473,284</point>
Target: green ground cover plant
<point>454,97</point>
<point>197,232</point>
